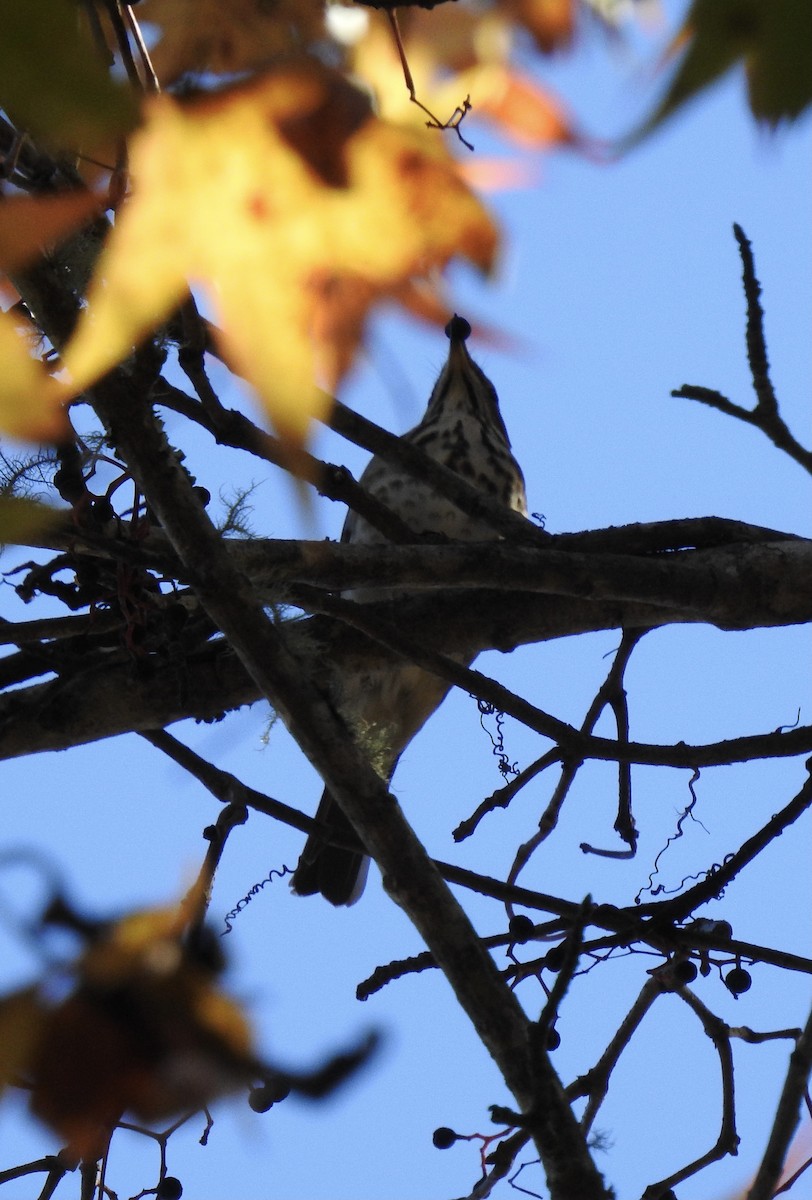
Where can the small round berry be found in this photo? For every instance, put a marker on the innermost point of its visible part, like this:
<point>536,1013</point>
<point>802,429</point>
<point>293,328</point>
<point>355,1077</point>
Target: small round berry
<point>444,1137</point>
<point>170,1188</point>
<point>265,1095</point>
<point>554,959</point>
<point>737,981</point>
<point>553,1039</point>
<point>685,972</point>
<point>259,1100</point>
<point>520,928</point>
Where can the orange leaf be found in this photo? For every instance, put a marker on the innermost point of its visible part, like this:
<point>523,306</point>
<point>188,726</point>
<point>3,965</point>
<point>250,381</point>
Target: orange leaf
<point>499,174</point>
<point>551,22</point>
<point>525,112</point>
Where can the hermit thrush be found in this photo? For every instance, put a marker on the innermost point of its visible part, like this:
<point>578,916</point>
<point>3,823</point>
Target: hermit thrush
<point>463,429</point>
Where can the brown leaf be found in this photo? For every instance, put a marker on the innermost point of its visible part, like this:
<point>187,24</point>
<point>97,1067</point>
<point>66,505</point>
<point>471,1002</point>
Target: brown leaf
<point>317,126</point>
<point>144,1032</point>
<point>208,35</point>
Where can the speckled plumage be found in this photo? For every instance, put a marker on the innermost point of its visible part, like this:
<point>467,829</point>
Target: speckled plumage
<point>463,429</point>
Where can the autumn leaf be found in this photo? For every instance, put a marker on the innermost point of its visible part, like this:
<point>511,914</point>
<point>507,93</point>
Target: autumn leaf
<point>207,35</point>
<point>31,403</point>
<point>258,194</point>
<point>771,38</point>
<point>29,224</point>
<point>551,23</point>
<point>53,82</point>
<point>520,107</point>
<point>21,1022</point>
<point>342,304</point>
<point>144,1031</point>
<point>452,55</point>
<point>22,519</point>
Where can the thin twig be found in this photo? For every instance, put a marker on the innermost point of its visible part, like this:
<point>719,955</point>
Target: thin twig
<point>152,84</point>
<point>459,114</point>
<point>756,344</point>
<point>227,788</point>
<point>114,12</point>
<point>595,1083</point>
<point>765,416</point>
<point>232,428</point>
<point>572,761</point>
<point>728,1140</point>
<point>720,877</point>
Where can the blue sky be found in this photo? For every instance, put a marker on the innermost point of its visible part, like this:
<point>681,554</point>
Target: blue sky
<point>619,282</point>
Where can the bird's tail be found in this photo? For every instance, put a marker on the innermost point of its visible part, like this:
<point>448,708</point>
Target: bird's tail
<point>337,872</point>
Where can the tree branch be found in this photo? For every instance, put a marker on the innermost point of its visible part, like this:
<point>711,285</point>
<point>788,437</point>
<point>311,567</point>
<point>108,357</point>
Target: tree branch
<point>765,416</point>
<point>410,877</point>
<point>787,1118</point>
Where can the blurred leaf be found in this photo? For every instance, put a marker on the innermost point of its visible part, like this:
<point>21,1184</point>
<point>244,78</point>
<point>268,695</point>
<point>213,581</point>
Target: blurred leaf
<point>21,1020</point>
<point>260,194</point>
<point>457,53</point>
<point>31,403</point>
<point>144,1032</point>
<point>28,224</point>
<point>207,35</point>
<point>551,23</point>
<point>771,38</point>
<point>53,82</point>
<point>523,110</point>
<point>21,519</point>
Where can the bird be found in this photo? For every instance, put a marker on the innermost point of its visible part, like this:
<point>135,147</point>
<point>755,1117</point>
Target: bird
<point>463,429</point>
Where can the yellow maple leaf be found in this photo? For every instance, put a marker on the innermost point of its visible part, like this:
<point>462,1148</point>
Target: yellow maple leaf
<point>258,194</point>
<point>31,403</point>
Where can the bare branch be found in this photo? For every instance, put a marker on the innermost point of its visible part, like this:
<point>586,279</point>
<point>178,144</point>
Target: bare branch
<point>595,1083</point>
<point>728,1140</point>
<point>787,1118</point>
<point>765,416</point>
